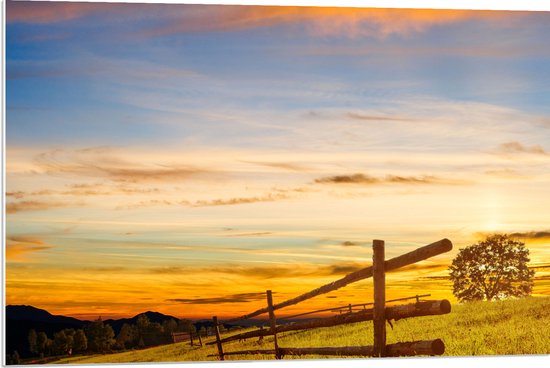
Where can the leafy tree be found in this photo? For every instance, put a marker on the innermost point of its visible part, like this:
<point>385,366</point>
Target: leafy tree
<point>185,325</point>
<point>41,343</point>
<point>32,338</point>
<point>127,337</point>
<point>494,268</point>
<point>13,358</point>
<point>100,336</point>
<point>169,326</point>
<point>80,342</point>
<point>203,331</point>
<point>61,343</point>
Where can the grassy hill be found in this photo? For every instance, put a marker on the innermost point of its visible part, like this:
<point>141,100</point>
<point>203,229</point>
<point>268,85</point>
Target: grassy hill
<point>473,329</point>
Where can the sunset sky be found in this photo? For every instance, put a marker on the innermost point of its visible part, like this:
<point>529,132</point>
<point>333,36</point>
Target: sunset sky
<point>186,158</point>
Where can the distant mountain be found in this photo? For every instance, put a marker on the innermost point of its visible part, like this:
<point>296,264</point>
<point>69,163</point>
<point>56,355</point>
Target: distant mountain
<point>157,317</point>
<point>30,313</point>
<point>20,319</point>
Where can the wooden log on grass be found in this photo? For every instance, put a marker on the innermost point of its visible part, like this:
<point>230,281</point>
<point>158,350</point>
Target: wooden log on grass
<point>246,352</point>
<point>417,255</point>
<point>397,312</point>
<point>423,347</point>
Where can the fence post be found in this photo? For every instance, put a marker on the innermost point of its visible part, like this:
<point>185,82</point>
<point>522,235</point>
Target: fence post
<point>200,340</point>
<point>379,279</point>
<point>218,342</point>
<point>273,322</point>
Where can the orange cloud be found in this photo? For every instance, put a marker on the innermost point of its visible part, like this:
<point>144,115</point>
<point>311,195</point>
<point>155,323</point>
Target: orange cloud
<point>99,162</point>
<point>19,245</point>
<point>318,21</point>
<point>392,179</point>
<point>14,207</point>
<point>510,148</point>
<point>50,12</point>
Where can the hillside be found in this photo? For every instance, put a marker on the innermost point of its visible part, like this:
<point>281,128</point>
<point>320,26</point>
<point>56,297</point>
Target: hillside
<point>473,329</point>
<point>20,319</point>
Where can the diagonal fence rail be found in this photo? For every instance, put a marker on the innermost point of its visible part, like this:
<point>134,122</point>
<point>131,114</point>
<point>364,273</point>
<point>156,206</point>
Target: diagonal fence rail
<point>379,313</point>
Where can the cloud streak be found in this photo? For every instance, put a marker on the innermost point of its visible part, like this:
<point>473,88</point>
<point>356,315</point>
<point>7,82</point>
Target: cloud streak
<point>364,179</point>
<point>15,207</point>
<point>20,245</point>
<point>232,298</point>
<point>316,21</point>
<point>533,235</point>
<point>511,148</point>
<point>100,162</point>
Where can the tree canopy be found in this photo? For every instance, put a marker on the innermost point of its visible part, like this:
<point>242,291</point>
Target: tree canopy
<point>494,268</point>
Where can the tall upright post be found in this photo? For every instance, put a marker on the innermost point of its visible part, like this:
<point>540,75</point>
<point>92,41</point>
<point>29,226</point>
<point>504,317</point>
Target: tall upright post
<point>218,342</point>
<point>379,279</point>
<point>273,322</point>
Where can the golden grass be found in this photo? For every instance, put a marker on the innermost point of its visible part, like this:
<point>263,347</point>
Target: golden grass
<point>508,327</point>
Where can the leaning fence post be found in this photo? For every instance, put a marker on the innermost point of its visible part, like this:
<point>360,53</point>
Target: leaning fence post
<point>200,340</point>
<point>273,322</point>
<point>218,342</point>
<point>379,279</point>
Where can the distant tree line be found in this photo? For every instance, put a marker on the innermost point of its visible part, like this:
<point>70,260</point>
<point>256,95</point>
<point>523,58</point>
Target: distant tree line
<point>99,337</point>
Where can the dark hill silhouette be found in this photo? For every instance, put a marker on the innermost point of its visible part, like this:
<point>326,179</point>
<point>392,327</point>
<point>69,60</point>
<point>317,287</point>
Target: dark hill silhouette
<point>30,313</point>
<point>116,324</point>
<point>20,319</point>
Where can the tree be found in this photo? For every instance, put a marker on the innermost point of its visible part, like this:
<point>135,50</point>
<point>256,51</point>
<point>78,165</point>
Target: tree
<point>127,337</point>
<point>60,343</point>
<point>100,336</point>
<point>33,347</point>
<point>494,268</point>
<point>41,343</point>
<point>80,342</point>
<point>13,359</point>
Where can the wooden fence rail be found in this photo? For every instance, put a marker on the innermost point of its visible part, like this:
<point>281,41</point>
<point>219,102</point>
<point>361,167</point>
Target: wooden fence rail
<point>346,308</point>
<point>395,313</point>
<point>420,254</point>
<point>379,314</point>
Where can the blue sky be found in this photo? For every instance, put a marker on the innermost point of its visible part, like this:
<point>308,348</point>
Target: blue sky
<point>153,140</point>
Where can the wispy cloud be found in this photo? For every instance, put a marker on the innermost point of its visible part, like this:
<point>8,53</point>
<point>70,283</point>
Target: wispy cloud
<point>101,162</point>
<point>364,179</point>
<point>275,271</point>
<point>359,116</point>
<point>280,165</point>
<point>14,207</point>
<point>511,148</point>
<point>545,234</point>
<point>316,21</point>
<point>348,243</point>
<point>270,197</point>
<point>20,245</point>
<point>232,298</point>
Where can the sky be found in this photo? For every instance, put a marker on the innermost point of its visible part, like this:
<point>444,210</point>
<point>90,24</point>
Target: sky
<point>186,158</point>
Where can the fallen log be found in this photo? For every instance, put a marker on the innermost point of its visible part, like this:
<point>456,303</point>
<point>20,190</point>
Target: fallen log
<point>423,347</point>
<point>245,352</point>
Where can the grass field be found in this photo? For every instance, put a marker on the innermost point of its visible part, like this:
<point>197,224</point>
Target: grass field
<point>473,329</point>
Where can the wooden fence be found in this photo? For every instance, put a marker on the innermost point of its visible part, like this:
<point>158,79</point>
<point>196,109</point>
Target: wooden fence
<point>379,313</point>
<point>186,336</point>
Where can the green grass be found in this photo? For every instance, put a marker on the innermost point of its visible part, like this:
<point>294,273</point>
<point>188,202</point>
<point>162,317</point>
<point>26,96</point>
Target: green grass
<point>508,327</point>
